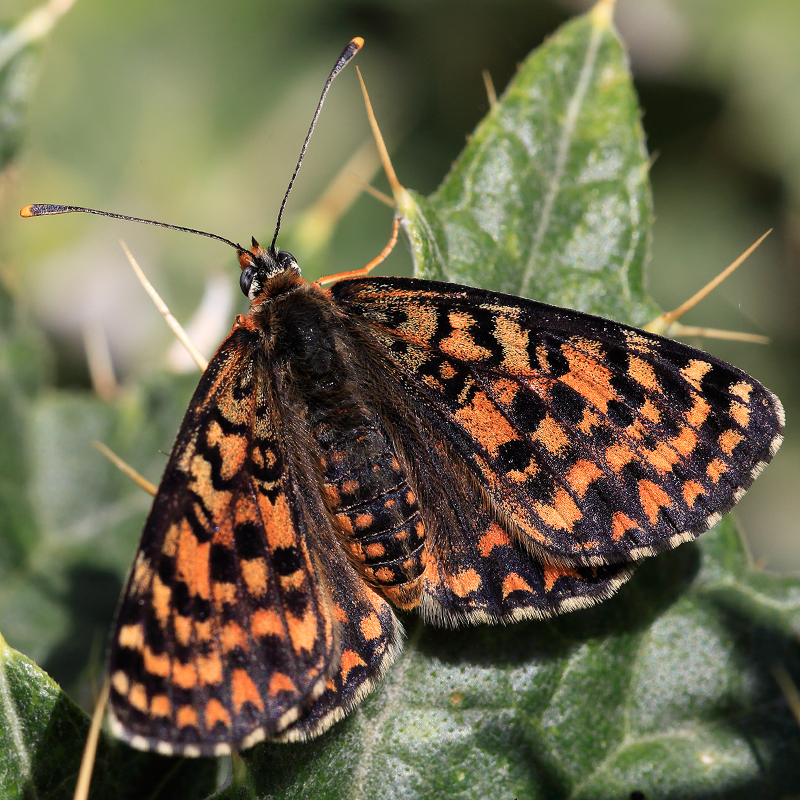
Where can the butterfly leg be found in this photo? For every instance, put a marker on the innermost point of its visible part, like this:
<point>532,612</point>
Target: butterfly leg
<point>360,273</point>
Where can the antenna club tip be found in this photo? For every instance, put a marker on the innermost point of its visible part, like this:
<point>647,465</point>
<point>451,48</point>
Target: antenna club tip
<point>357,42</point>
<point>45,209</point>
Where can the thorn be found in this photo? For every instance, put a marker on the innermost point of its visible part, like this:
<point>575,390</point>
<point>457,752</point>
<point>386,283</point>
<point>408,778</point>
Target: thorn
<point>491,94</point>
<point>401,196</point>
<point>123,466</point>
<point>90,748</point>
<point>663,323</point>
<point>789,689</point>
<point>196,355</point>
<point>378,195</point>
<point>98,357</point>
<point>683,331</point>
<point>316,225</point>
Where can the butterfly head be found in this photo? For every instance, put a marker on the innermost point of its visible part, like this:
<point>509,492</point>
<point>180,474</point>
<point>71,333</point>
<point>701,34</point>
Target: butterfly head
<point>260,265</point>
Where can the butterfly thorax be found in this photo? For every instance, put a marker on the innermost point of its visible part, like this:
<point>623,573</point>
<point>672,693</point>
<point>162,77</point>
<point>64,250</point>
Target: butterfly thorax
<point>368,500</point>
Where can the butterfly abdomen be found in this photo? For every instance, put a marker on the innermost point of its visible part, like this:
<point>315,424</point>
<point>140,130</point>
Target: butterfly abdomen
<point>376,512</point>
<point>365,489</point>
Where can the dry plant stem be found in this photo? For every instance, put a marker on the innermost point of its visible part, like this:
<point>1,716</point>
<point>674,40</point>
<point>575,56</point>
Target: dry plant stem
<point>90,748</point>
<point>491,94</point>
<point>123,466</point>
<point>663,323</point>
<point>400,194</point>
<point>98,357</point>
<point>676,329</point>
<point>196,355</point>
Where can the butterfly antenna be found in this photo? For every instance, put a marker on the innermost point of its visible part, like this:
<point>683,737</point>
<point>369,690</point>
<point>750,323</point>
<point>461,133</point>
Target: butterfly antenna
<point>46,209</point>
<point>348,53</point>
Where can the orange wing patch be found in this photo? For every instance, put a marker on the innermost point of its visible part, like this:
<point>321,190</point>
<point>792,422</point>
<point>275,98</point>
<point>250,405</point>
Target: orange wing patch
<point>652,498</point>
<point>514,583</point>
<point>495,536</point>
<point>553,573</point>
<point>244,690</point>
<point>464,582</point>
<point>482,419</point>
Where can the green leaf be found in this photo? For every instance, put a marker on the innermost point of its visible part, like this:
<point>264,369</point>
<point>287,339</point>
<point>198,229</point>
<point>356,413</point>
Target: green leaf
<point>666,688</point>
<point>23,369</point>
<point>86,518</point>
<point>42,733</point>
<point>24,358</point>
<point>17,78</point>
<point>20,53</point>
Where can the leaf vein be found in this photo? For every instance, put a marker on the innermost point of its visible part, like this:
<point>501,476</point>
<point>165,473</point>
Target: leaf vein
<point>567,133</point>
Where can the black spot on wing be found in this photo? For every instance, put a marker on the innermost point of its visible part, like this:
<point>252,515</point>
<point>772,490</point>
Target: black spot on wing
<point>568,405</point>
<point>223,564</point>
<point>287,560</point>
<point>249,541</point>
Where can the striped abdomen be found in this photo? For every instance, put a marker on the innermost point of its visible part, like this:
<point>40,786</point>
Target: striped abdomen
<point>375,509</point>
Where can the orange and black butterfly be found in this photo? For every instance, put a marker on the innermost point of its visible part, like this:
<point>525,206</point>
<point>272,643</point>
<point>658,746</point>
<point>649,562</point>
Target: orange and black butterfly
<point>393,442</point>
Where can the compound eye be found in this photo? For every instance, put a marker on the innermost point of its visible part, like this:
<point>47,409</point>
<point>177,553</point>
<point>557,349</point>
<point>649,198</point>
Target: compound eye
<point>245,279</point>
<point>286,260</point>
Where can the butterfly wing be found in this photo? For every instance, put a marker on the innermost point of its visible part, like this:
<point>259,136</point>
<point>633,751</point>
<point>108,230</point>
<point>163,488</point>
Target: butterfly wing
<point>369,641</point>
<point>229,627</point>
<point>478,570</point>
<point>598,442</point>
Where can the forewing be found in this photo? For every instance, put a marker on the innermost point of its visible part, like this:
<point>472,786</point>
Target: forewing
<point>599,442</point>
<point>225,632</point>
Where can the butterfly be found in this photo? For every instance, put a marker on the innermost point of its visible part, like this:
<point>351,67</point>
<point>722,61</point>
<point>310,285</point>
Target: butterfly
<point>401,443</point>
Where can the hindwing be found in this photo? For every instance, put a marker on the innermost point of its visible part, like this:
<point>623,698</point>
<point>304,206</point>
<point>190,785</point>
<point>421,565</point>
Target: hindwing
<point>479,568</point>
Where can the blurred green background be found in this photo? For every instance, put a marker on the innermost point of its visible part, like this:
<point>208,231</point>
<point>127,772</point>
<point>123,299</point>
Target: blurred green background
<point>193,113</point>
